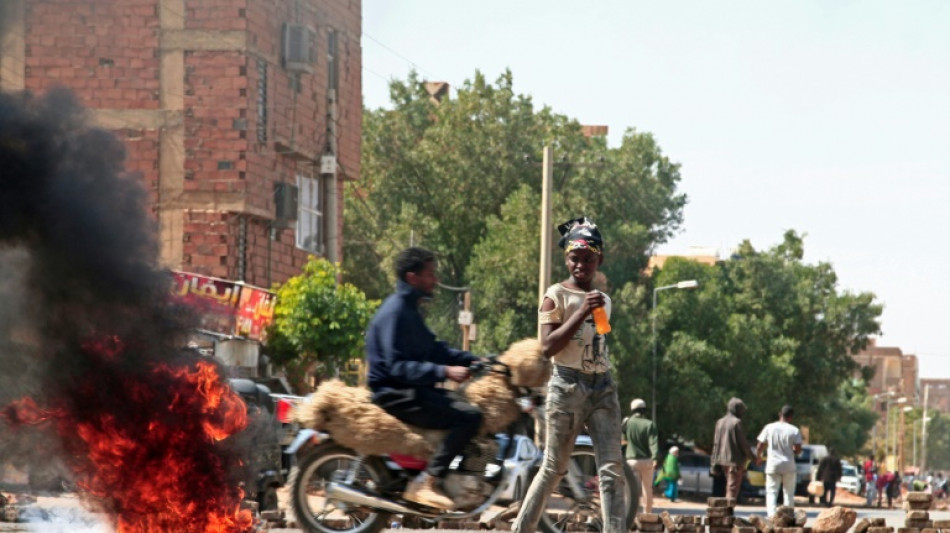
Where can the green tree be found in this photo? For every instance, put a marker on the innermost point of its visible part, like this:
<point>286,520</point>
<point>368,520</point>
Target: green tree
<point>770,329</point>
<point>318,322</point>
<point>462,177</point>
<point>938,441</point>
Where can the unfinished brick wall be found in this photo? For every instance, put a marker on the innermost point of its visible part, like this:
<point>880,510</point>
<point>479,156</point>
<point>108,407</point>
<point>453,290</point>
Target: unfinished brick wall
<point>210,117</point>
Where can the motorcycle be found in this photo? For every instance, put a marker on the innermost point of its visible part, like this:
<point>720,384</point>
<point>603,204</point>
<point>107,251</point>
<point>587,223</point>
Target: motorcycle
<point>354,460</point>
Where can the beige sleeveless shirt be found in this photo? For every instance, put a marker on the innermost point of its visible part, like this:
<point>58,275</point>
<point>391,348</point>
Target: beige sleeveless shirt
<point>586,351</point>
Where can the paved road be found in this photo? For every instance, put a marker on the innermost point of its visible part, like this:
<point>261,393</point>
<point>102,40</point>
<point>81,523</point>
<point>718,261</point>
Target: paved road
<point>65,515</point>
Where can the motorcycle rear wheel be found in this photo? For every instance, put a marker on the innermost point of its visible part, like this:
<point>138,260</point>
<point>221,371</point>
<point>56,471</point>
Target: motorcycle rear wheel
<point>316,513</point>
<point>564,513</point>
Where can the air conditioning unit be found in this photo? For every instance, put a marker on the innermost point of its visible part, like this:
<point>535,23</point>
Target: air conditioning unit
<point>297,47</point>
<point>285,203</point>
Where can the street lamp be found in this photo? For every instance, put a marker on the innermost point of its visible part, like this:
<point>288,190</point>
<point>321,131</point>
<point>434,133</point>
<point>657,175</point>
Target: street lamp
<point>688,284</point>
<point>887,425</point>
<point>923,424</point>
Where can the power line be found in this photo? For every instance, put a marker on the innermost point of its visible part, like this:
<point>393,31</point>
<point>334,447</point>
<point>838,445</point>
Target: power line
<point>397,54</point>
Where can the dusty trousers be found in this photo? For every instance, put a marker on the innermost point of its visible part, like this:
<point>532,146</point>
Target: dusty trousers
<point>575,399</point>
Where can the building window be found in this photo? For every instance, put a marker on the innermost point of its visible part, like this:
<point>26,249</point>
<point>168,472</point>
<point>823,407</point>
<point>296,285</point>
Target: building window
<point>310,215</point>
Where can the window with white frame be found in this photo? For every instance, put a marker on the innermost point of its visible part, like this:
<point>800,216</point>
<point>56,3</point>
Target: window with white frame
<point>310,235</point>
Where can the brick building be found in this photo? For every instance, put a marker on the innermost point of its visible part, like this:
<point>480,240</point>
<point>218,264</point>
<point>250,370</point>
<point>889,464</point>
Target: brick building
<point>894,371</point>
<point>243,117</point>
<point>936,392</point>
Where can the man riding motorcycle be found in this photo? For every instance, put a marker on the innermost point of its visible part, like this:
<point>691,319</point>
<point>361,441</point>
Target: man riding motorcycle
<point>405,363</point>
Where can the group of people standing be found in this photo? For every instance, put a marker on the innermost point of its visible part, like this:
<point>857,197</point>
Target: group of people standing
<point>779,442</point>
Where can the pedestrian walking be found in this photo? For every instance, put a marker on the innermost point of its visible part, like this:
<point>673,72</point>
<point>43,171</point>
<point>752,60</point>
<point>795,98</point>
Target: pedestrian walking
<point>829,472</point>
<point>883,480</point>
<point>783,442</point>
<point>869,488</point>
<point>731,450</point>
<point>893,488</point>
<point>671,474</point>
<point>582,391</point>
<point>643,449</point>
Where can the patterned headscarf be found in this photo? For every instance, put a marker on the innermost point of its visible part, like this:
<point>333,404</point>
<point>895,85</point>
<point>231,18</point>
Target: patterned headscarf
<point>579,234</point>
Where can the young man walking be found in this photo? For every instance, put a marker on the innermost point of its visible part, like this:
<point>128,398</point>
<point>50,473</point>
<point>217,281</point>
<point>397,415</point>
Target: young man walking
<point>784,442</point>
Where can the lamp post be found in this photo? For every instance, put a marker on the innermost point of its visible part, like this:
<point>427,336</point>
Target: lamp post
<point>887,425</point>
<point>923,428</point>
<point>688,284</point>
<point>902,449</point>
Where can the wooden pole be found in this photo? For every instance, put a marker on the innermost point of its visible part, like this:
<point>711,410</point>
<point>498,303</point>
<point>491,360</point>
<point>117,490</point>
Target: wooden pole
<point>547,175</point>
<point>467,306</point>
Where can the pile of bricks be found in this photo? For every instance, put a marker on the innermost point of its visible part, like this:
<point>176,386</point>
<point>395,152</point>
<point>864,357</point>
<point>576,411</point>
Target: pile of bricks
<point>649,522</point>
<point>682,523</point>
<point>917,519</point>
<point>872,525</point>
<point>786,520</point>
<point>720,515</point>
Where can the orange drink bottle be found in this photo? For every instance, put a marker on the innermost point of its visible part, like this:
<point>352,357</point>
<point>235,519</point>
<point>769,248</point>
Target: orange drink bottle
<point>600,320</point>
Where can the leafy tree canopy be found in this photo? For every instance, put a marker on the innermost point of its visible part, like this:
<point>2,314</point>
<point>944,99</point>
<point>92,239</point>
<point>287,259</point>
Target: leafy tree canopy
<point>463,178</point>
<point>318,322</point>
<point>772,330</point>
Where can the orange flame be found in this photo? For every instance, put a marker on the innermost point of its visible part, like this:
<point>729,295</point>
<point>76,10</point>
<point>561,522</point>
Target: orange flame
<point>166,474</point>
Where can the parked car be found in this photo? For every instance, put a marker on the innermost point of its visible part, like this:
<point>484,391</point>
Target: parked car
<point>694,474</point>
<point>518,459</point>
<point>753,484</point>
<point>851,480</point>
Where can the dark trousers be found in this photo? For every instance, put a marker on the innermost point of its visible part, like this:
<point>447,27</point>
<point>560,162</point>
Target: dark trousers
<point>434,409</point>
<point>828,498</point>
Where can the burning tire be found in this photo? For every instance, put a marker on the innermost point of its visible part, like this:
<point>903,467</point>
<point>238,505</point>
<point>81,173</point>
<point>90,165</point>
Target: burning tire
<point>318,514</point>
<point>565,513</point>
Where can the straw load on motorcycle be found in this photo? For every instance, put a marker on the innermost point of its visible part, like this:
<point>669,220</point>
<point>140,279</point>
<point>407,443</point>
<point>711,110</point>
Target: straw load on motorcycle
<point>348,414</point>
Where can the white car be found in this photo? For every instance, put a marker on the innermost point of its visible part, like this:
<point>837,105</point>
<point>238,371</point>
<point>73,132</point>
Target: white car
<point>851,479</point>
<point>521,455</point>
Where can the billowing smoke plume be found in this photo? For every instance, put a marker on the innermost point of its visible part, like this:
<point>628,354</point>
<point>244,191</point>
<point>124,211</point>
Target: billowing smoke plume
<point>86,332</point>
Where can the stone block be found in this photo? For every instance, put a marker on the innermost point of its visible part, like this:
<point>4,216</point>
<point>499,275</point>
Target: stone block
<point>918,497</point>
<point>720,502</point>
<point>719,511</point>
<point>917,515</point>
<point>834,520</point>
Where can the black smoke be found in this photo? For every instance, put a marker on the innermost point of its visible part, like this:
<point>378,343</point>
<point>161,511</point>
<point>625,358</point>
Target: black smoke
<point>84,319</point>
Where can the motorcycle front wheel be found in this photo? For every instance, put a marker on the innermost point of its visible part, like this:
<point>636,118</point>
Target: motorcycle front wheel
<point>315,512</point>
<point>566,512</point>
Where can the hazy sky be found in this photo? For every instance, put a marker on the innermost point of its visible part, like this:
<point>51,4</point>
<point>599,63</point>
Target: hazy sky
<point>831,118</point>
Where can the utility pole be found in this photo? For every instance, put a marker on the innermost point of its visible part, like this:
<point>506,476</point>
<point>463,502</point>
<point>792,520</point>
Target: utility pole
<point>547,178</point>
<point>465,319</point>
<point>923,437</point>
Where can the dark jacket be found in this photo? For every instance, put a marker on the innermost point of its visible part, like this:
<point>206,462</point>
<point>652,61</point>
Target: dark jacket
<point>401,351</point>
<point>642,439</point>
<point>730,447</point>
<point>829,469</point>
